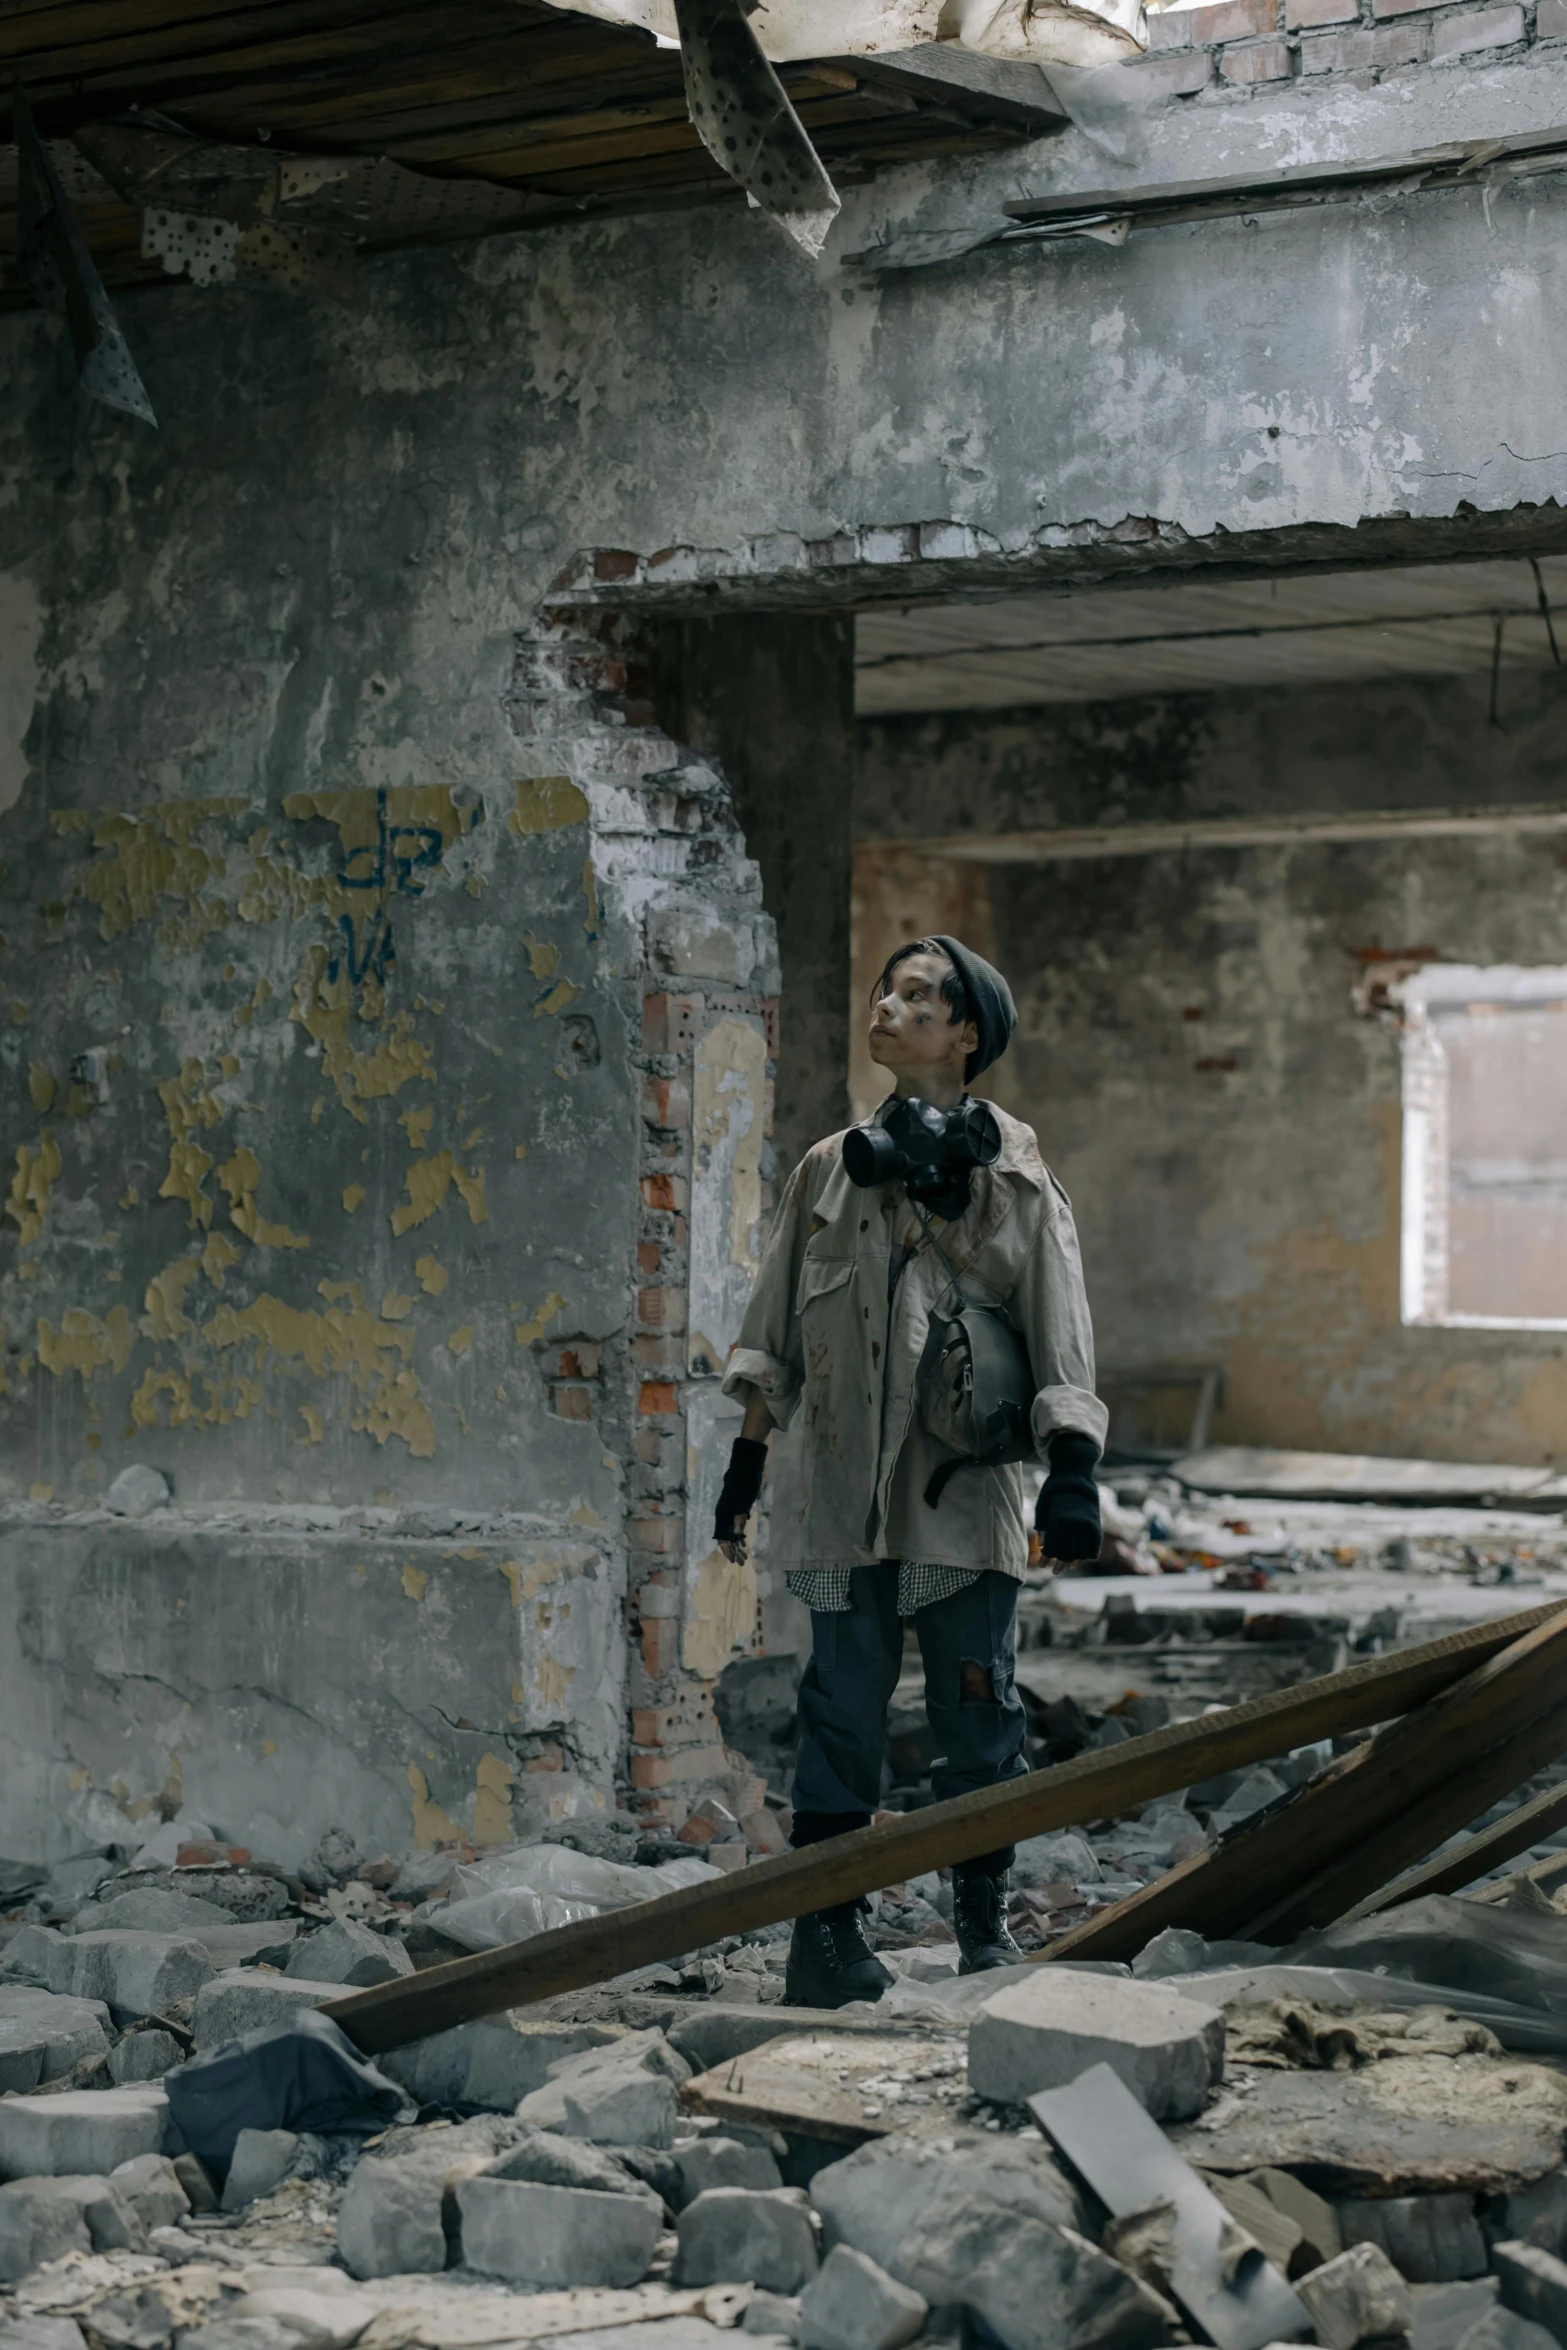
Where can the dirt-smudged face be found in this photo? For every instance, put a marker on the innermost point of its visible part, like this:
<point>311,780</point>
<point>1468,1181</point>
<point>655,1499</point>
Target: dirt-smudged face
<point>913,1034</point>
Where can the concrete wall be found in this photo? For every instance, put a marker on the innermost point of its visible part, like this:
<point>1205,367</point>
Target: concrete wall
<point>1224,1116</point>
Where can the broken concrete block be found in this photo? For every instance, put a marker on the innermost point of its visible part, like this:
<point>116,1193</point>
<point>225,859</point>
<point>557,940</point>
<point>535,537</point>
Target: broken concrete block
<point>261,2162</point>
<point>79,2131</point>
<point>133,1973</point>
<point>40,2333</point>
<point>549,2160</point>
<point>495,2062</point>
<point>1357,2297</point>
<point>389,2223</point>
<point>43,2036</point>
<point>775,2314</point>
<point>151,1909</point>
<point>745,2236</point>
<point>348,1952</point>
<point>243,2333</point>
<point>1311,2213</point>
<point>1504,2329</point>
<point>1536,2214</point>
<point>1430,2239</point>
<point>144,2056</point>
<point>1039,2287</point>
<point>539,2235</point>
<point>1445,2313</point>
<point>137,1492</point>
<point>237,2002</point>
<point>722,2162</point>
<point>150,2183</point>
<point>197,2181</point>
<point>322,2320</point>
<point>1043,2032</point>
<point>621,2106</point>
<point>881,2197</point>
<point>36,2226</point>
<point>851,2304</point>
<point>1534,2284</point>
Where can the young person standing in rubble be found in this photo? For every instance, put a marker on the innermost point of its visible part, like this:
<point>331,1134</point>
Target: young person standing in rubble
<point>830,1353</point>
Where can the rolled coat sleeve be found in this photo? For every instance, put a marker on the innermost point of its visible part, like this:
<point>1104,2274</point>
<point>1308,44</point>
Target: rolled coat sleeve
<point>1051,1306</point>
<point>768,1354</point>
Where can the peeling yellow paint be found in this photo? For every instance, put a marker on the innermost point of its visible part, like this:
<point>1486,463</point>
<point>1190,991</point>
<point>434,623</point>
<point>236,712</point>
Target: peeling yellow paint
<point>530,1332</point>
<point>322,1007</point>
<point>41,1086</point>
<point>432,1276</point>
<point>83,1343</point>
<point>431,1825</point>
<point>415,1581</point>
<point>722,1614</point>
<point>395,1307</point>
<point>62,821</point>
<point>547,803</point>
<point>564,992</point>
<point>218,1257</point>
<point>460,1340</point>
<point>154,855</point>
<point>315,1426</point>
<point>543,962</point>
<point>229,1064</point>
<point>416,1124</point>
<point>239,1177</point>
<point>521,1151</point>
<point>165,1299</point>
<point>268,1746</point>
<point>492,1785</point>
<point>730,1078</point>
<point>353,1198</point>
<point>43,1493</point>
<point>428,1181</point>
<point>37,1172</point>
<point>188,1103</point>
<point>551,1680</point>
<point>590,894</point>
<point>582,1515</point>
<point>512,1570</point>
<point>130,1197</point>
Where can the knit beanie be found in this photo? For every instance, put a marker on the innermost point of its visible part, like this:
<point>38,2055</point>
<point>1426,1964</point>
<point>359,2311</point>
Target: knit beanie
<point>995,1014</point>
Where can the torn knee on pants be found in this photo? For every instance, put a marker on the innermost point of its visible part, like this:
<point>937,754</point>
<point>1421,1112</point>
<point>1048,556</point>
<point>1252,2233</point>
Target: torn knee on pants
<point>980,1684</point>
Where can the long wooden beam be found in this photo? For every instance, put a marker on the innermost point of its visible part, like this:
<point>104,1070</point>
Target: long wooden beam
<point>1092,1786</point>
<point>1275,1879</point>
<point>1475,1856</point>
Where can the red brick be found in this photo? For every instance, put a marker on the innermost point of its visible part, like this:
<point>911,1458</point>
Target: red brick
<point>649,1256</point>
<point>1392,44</point>
<point>1171,77</point>
<point>1303,15</point>
<point>578,1359</point>
<point>650,1446</point>
<point>662,1352</point>
<point>666,1102</point>
<point>1477,28</point>
<point>660,1647</point>
<point>1169,28</point>
<point>664,1192</point>
<point>614,563</point>
<point>1550,21</point>
<point>1258,61</point>
<point>651,1770</point>
<point>658,1395</point>
<point>669,1022</point>
<point>571,1403</point>
<point>662,1308</point>
<point>665,1536</point>
<point>1233,20</point>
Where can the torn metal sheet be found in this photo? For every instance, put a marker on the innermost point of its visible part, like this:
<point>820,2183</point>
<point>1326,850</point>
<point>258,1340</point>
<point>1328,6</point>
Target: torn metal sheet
<point>1219,2276</point>
<point>59,273</point>
<point>1036,32</point>
<point>745,121</point>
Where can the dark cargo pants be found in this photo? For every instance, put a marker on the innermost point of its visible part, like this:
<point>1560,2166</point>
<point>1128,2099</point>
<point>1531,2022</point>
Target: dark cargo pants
<point>971,1701</point>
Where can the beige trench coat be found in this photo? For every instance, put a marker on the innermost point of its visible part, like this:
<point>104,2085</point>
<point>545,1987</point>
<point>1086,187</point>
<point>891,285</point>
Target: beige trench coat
<point>837,1359</point>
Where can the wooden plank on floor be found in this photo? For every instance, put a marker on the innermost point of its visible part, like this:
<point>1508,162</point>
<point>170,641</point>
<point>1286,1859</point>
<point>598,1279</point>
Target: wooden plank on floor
<point>1091,1786</point>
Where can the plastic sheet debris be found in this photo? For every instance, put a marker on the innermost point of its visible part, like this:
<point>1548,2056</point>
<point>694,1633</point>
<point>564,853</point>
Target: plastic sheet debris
<point>517,1894</point>
<point>304,2074</point>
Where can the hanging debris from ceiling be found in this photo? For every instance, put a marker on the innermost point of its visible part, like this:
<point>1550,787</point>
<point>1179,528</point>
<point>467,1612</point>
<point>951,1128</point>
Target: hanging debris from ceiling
<point>745,121</point>
<point>59,273</point>
<point>1034,32</point>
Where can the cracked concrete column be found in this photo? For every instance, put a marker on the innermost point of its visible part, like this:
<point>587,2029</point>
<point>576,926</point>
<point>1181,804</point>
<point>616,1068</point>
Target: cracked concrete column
<point>770,696</point>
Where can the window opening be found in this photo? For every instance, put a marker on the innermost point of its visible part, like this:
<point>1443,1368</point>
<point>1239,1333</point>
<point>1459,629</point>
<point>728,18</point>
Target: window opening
<point>1484,1222</point>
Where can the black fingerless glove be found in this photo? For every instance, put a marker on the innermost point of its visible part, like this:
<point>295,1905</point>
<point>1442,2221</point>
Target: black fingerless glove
<point>1066,1515</point>
<point>742,1483</point>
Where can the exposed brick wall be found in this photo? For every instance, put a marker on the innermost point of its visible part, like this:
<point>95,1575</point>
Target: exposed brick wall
<point>1241,45</point>
<point>664,824</point>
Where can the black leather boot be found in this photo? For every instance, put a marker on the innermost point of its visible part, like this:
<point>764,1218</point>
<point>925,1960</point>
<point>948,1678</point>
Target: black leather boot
<point>830,1961</point>
<point>979,1919</point>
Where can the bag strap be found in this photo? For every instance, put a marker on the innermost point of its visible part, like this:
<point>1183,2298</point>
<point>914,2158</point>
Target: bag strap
<point>955,1279</point>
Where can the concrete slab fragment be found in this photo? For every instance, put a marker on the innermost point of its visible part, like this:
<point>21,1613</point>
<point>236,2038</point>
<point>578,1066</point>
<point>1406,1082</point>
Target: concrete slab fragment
<point>1047,2030</point>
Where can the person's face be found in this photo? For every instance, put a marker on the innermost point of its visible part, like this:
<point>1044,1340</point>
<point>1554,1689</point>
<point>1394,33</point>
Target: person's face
<point>913,1033</point>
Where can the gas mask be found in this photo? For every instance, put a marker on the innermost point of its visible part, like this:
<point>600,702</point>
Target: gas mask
<point>932,1152</point>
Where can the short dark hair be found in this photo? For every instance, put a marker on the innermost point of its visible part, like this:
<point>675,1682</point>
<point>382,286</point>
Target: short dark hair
<point>953,992</point>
